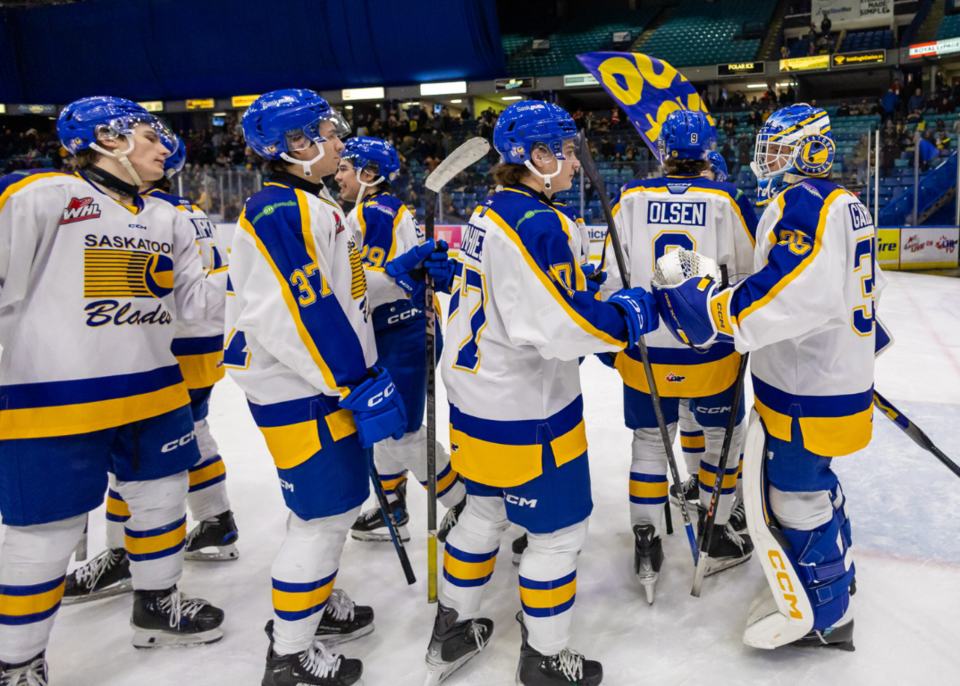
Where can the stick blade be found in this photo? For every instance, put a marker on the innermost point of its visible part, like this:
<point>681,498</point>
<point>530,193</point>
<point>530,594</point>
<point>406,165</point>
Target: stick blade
<point>472,151</point>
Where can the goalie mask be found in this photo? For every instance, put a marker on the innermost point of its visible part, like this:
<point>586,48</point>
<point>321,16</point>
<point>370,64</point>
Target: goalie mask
<point>794,140</point>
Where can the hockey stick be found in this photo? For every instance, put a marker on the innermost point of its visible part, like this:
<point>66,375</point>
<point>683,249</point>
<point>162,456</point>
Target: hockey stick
<point>80,552</point>
<point>472,151</point>
<point>913,431</point>
<point>590,169</point>
<point>718,483</point>
<point>391,525</point>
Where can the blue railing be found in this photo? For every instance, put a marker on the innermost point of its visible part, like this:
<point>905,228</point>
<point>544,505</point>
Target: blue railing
<point>932,187</point>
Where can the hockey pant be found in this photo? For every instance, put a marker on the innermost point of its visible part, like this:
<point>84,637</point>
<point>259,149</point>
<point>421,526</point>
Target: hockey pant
<point>648,472</point>
<point>693,444</point>
<point>206,496</point>
<point>548,571</point>
<point>304,572</point>
<point>394,457</point>
<point>34,559</point>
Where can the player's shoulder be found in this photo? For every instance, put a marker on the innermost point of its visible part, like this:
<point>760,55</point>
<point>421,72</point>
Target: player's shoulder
<point>275,203</point>
<point>382,208</point>
<point>177,201</point>
<point>812,195</point>
<point>520,210</point>
<point>34,179</point>
<point>568,210</point>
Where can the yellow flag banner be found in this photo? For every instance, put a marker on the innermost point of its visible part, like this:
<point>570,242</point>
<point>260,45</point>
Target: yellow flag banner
<point>646,88</point>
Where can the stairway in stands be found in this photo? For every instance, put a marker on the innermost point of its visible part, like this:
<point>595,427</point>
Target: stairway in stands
<point>662,18</point>
<point>770,48</point>
<point>928,30</point>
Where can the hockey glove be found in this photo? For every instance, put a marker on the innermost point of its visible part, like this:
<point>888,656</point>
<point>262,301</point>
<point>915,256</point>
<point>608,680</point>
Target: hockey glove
<point>639,310</point>
<point>439,266</point>
<point>607,359</point>
<point>377,408</point>
<point>696,311</point>
<point>595,278</point>
<point>404,270</point>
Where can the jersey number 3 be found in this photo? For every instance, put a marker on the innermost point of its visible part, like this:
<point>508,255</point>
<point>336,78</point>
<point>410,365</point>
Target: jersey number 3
<point>864,258</point>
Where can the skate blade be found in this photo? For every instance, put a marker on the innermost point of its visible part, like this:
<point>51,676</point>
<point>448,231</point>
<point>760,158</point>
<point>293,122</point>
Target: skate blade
<point>125,586</point>
<point>648,581</point>
<point>376,537</point>
<point>440,671</point>
<point>144,639</point>
<point>330,640</point>
<point>718,566</point>
<point>517,558</point>
<point>224,553</point>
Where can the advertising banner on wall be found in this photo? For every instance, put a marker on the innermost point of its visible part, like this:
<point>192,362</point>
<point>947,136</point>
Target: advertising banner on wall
<point>888,248</point>
<point>851,14</point>
<point>928,247</point>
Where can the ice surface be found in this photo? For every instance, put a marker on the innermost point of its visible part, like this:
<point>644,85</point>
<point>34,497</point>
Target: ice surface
<point>902,502</point>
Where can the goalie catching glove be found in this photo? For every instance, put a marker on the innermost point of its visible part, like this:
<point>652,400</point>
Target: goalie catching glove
<point>377,408</point>
<point>692,304</point>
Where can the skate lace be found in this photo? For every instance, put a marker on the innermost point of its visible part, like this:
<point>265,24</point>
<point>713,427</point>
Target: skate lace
<point>479,633</point>
<point>340,605</point>
<point>28,675</point>
<point>571,664</point>
<point>180,607</point>
<point>318,662</point>
<point>370,514</point>
<point>734,536</point>
<point>90,573</point>
<point>449,519</point>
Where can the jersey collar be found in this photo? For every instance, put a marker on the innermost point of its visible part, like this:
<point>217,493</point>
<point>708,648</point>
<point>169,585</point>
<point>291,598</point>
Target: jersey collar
<point>288,179</point>
<point>138,203</point>
<point>526,190</point>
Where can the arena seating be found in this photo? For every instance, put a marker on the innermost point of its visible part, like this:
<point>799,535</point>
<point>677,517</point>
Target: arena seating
<point>867,40</point>
<point>949,27</point>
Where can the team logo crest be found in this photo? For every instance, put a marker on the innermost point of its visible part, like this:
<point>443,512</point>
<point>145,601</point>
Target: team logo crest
<point>126,274</point>
<point>674,378</point>
<point>815,155</point>
<point>80,209</point>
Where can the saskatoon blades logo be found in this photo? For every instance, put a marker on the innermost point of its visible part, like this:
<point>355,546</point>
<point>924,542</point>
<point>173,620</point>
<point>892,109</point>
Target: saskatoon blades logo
<point>80,209</point>
<point>126,274</point>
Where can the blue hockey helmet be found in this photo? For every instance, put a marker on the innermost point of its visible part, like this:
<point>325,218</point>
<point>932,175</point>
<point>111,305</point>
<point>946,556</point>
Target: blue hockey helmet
<point>718,165</point>
<point>374,155</point>
<point>178,156</point>
<point>685,135</point>
<point>85,122</point>
<point>794,140</point>
<point>289,120</point>
<point>530,124</point>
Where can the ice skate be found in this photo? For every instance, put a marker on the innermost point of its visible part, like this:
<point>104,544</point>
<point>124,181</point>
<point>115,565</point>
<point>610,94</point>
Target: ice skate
<point>647,558</point>
<point>372,527</point>
<point>105,576</point>
<point>342,621</point>
<point>738,516</point>
<point>450,519</point>
<point>519,545</point>
<point>33,672</point>
<point>212,540</point>
<point>727,547</point>
<point>839,636</point>
<point>691,490</point>
<point>453,643</point>
<point>566,668</point>
<point>313,667</point>
<point>167,619</point>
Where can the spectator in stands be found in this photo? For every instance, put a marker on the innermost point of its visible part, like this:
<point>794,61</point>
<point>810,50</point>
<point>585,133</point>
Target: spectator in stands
<point>784,52</point>
<point>615,119</point>
<point>916,102</point>
<point>860,153</point>
<point>578,120</point>
<point>945,106</point>
<point>465,114</point>
<point>744,145</point>
<point>928,151</point>
<point>812,34</point>
<point>812,49</point>
<point>620,148</point>
<point>843,110</point>
<point>956,125</point>
<point>825,23</point>
<point>726,152</point>
<point>932,102</point>
<point>889,103</point>
<point>606,148</point>
<point>941,126</point>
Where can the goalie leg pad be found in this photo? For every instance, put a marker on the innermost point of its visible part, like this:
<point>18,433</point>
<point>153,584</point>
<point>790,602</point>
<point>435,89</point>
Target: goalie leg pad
<point>809,570</point>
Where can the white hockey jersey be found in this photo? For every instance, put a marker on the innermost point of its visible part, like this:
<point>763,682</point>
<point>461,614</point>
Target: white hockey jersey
<point>91,291</point>
<point>653,217</point>
<point>386,229</point>
<point>808,312</point>
<point>198,343</point>
<point>297,319</point>
<point>520,317</point>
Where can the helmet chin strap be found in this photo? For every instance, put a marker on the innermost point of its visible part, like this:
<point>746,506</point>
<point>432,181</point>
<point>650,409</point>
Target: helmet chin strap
<point>546,177</point>
<point>365,186</point>
<point>121,157</point>
<point>306,164</point>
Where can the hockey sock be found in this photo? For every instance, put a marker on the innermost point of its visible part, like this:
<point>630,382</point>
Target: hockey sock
<point>117,515</point>
<point>155,532</point>
<point>33,564</point>
<point>709,460</point>
<point>648,477</point>
<point>691,438</point>
<point>207,496</point>
<point>548,586</point>
<point>303,574</point>
<point>470,554</point>
<point>410,452</point>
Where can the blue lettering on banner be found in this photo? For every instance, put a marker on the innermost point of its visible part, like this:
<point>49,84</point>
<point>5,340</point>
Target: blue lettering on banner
<point>682,213</point>
<point>859,216</point>
<point>471,242</point>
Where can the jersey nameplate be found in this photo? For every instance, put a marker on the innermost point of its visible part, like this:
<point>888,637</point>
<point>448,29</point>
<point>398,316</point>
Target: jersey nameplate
<point>203,227</point>
<point>682,213</point>
<point>859,216</point>
<point>471,243</point>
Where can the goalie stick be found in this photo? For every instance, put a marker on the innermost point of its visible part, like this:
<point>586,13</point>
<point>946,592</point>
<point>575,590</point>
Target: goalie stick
<point>472,151</point>
<point>590,169</point>
<point>391,525</point>
<point>913,431</point>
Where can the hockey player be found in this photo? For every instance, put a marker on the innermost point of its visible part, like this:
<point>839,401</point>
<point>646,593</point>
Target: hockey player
<point>386,229</point>
<point>94,279</point>
<point>654,217</point>
<point>300,344</point>
<point>198,346</point>
<point>521,315</point>
<point>717,171</point>
<point>807,314</point>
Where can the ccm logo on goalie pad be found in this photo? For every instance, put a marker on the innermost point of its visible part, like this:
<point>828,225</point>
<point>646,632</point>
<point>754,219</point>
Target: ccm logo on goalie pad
<point>521,502</point>
<point>784,583</point>
<point>380,397</point>
<point>182,441</point>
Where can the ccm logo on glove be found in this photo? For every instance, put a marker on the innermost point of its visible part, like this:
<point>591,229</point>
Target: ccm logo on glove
<point>380,397</point>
